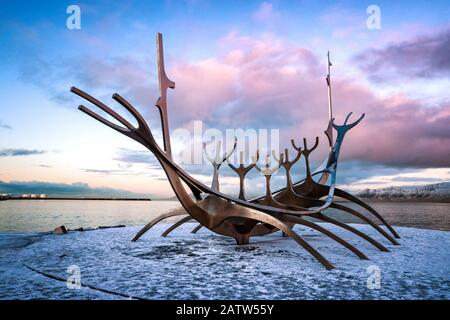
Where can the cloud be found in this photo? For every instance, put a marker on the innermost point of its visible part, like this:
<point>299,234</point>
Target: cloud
<point>5,126</point>
<point>423,57</point>
<point>253,83</point>
<point>265,13</point>
<point>129,156</point>
<point>77,189</point>
<point>20,152</point>
<point>417,179</point>
<point>45,166</point>
<point>102,171</point>
<point>146,165</point>
<point>350,172</point>
<point>119,71</point>
<point>124,74</point>
<point>265,82</point>
<point>268,83</point>
<point>124,171</point>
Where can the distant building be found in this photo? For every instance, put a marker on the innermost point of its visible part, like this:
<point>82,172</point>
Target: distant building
<point>33,196</point>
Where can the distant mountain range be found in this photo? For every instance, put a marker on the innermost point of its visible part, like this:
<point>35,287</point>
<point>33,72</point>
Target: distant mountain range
<point>73,190</point>
<point>432,192</point>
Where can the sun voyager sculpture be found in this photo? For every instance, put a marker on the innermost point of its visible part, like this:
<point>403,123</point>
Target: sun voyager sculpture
<point>239,217</point>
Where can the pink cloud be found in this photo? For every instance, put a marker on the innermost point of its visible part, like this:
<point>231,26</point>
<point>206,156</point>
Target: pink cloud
<point>202,86</point>
<point>425,56</point>
<point>267,83</point>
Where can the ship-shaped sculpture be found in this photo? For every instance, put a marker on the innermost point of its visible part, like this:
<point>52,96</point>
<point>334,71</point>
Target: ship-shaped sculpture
<point>239,217</point>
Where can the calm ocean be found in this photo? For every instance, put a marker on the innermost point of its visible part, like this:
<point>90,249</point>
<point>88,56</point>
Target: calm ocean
<point>45,215</point>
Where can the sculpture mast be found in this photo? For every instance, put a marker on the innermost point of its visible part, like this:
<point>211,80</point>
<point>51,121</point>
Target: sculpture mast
<point>161,103</point>
<point>329,130</point>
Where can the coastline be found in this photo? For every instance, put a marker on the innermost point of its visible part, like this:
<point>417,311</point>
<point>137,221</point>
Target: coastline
<point>81,199</point>
<point>412,200</point>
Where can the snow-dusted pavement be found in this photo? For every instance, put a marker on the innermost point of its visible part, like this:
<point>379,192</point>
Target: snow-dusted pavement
<point>207,266</point>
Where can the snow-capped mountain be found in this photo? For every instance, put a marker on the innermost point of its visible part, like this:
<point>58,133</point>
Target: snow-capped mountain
<point>432,192</point>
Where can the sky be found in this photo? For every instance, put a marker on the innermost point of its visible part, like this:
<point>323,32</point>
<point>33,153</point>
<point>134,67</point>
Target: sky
<point>236,64</point>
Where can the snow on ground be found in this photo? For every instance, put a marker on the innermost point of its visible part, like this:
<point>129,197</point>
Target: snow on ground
<point>208,266</point>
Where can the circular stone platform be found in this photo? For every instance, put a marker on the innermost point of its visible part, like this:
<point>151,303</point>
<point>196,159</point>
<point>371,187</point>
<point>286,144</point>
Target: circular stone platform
<point>208,266</point>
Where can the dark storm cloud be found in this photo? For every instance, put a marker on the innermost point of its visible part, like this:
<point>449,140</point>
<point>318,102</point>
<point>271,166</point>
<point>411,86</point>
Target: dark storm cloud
<point>423,57</point>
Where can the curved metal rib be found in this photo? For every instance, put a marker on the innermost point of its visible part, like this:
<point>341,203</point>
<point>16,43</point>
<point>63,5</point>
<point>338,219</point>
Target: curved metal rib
<point>289,197</point>
<point>270,220</point>
<point>269,200</point>
<point>155,221</point>
<point>338,223</point>
<point>176,225</point>
<point>328,233</point>
<point>268,172</point>
<point>242,171</point>
<point>367,220</point>
<point>341,193</point>
<point>296,219</point>
<point>217,161</point>
<point>309,187</point>
<point>196,228</point>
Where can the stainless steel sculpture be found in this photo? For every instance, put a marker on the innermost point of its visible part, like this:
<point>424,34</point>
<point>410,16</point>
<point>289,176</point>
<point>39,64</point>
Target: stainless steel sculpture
<point>240,218</point>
